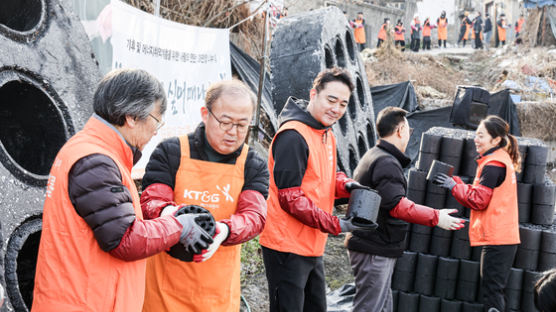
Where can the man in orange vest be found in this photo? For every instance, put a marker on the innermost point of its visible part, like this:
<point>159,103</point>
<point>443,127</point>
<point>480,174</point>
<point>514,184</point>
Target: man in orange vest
<point>519,25</point>
<point>442,23</point>
<point>94,240</point>
<point>399,33</point>
<point>501,26</point>
<point>358,26</point>
<point>303,185</point>
<point>427,29</point>
<point>211,167</point>
<point>382,33</point>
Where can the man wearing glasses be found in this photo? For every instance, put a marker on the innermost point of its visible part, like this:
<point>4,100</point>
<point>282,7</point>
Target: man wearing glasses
<point>212,168</point>
<point>303,185</point>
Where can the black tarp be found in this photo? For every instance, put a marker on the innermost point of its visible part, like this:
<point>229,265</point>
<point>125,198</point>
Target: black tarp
<point>247,69</point>
<point>421,122</point>
<point>502,105</point>
<point>399,94</point>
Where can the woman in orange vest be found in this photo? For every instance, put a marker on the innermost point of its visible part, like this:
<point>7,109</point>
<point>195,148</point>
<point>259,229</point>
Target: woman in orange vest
<point>399,32</point>
<point>442,24</point>
<point>492,198</point>
<point>211,167</point>
<point>94,240</point>
<point>303,185</point>
<point>501,28</point>
<point>382,32</point>
<point>427,28</point>
<point>358,26</point>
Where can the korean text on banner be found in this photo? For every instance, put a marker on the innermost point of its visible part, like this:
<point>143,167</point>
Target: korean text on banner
<point>187,59</point>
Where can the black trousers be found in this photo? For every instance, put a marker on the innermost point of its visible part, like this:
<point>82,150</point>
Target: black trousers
<point>496,262</point>
<point>478,42</point>
<point>401,43</point>
<point>361,46</point>
<point>415,43</point>
<point>440,43</point>
<point>380,41</point>
<point>426,43</point>
<point>295,283</point>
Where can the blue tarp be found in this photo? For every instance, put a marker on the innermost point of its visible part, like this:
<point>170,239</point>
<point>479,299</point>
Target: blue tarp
<point>538,3</point>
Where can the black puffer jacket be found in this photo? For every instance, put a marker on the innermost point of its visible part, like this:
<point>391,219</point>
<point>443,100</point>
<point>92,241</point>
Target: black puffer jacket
<point>381,168</point>
<point>165,161</point>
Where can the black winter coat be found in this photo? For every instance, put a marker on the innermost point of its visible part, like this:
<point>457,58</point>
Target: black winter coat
<point>381,168</point>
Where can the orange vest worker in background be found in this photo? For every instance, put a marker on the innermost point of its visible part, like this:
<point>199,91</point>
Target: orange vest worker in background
<point>442,24</point>
<point>358,26</point>
<point>382,32</point>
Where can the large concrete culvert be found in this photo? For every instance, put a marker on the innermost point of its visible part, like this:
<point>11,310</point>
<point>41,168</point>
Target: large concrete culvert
<point>21,259</point>
<point>47,80</point>
<point>23,20</point>
<point>305,44</point>
<point>34,124</point>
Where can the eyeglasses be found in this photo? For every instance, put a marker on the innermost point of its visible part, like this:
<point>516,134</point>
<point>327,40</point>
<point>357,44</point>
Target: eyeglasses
<point>410,129</point>
<point>159,123</point>
<point>227,125</point>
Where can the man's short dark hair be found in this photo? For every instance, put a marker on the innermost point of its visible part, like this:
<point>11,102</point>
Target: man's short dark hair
<point>388,119</point>
<point>332,74</point>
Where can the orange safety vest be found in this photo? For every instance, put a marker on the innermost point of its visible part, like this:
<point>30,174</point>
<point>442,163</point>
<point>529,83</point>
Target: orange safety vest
<point>282,231</point>
<point>359,32</point>
<point>501,31</point>
<point>382,32</point>
<point>73,273</point>
<point>400,36</point>
<point>213,285</point>
<point>519,24</point>
<point>442,29</point>
<point>427,31</point>
<point>467,28</point>
<point>498,224</point>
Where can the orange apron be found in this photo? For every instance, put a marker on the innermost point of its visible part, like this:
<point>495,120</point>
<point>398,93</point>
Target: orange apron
<point>400,36</point>
<point>501,32</point>
<point>382,32</point>
<point>359,33</point>
<point>498,224</point>
<point>213,285</point>
<point>442,29</point>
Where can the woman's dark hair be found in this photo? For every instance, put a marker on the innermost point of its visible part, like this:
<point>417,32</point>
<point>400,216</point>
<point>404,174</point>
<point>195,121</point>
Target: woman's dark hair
<point>498,127</point>
<point>545,290</point>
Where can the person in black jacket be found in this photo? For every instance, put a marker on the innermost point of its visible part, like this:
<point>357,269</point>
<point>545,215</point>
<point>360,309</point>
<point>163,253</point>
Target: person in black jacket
<point>487,30</point>
<point>477,28</point>
<point>373,254</point>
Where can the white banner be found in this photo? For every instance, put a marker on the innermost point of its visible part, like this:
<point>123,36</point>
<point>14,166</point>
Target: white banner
<point>187,59</point>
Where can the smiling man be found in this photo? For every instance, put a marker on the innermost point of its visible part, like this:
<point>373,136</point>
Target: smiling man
<point>212,168</point>
<point>303,186</point>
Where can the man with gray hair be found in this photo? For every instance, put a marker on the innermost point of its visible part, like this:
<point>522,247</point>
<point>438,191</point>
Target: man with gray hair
<point>94,240</point>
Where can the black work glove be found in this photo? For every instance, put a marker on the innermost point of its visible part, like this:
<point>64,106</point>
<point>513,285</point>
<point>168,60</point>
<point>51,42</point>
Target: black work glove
<point>193,237</point>
<point>444,180</point>
<point>347,225</point>
<point>350,186</point>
